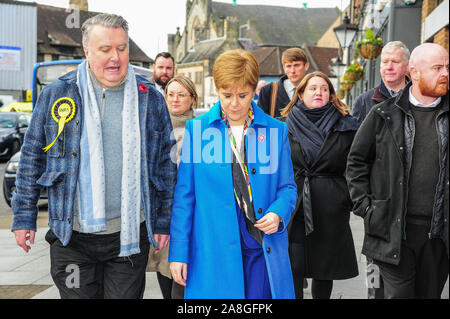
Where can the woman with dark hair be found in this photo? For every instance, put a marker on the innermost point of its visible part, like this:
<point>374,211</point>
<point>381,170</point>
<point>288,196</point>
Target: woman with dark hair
<point>321,132</point>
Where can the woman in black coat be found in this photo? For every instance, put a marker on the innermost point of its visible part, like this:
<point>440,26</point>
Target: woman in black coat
<point>321,132</point>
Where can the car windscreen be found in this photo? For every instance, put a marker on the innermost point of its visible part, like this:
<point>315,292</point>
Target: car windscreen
<point>48,73</point>
<point>7,121</point>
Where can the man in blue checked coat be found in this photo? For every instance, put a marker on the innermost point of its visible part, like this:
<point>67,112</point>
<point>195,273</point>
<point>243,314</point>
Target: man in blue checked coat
<point>99,140</point>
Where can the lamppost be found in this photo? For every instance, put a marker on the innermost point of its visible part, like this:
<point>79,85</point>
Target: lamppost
<point>345,33</point>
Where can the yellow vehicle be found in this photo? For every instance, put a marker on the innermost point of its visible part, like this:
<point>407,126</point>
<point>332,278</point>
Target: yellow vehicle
<point>26,107</point>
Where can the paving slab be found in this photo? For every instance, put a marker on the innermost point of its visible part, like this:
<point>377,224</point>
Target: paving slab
<point>41,263</point>
<point>21,291</point>
<point>46,280</point>
<point>50,293</point>
<point>21,278</point>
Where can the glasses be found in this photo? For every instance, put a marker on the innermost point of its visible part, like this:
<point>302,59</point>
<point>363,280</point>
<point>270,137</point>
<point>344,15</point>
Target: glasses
<point>180,96</point>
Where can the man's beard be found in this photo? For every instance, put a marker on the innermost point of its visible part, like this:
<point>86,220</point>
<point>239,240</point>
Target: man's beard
<point>162,83</point>
<point>438,90</point>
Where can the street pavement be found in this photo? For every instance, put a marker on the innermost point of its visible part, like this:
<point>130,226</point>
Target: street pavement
<point>26,275</point>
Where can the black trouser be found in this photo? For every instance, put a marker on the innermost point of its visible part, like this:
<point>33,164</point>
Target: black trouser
<point>297,240</point>
<point>297,258</point>
<point>89,266</point>
<point>423,268</point>
<point>374,292</point>
<point>169,288</point>
<point>321,289</point>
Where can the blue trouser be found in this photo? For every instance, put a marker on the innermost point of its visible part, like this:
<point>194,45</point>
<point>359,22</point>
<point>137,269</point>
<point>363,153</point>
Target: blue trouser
<point>256,279</point>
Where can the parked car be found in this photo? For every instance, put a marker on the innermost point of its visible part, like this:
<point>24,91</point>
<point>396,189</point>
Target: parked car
<point>9,179</point>
<point>13,126</point>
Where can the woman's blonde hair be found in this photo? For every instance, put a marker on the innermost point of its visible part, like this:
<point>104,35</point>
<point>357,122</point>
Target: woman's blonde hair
<point>236,68</point>
<point>187,84</point>
<point>341,106</point>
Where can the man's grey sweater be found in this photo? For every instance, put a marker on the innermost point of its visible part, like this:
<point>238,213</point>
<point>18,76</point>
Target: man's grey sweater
<point>110,104</point>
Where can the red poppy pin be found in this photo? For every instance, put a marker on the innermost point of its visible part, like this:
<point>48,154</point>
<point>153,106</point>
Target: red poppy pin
<point>261,138</point>
<point>142,88</point>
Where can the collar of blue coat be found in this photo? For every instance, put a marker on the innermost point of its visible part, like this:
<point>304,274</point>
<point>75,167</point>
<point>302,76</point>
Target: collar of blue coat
<point>259,115</point>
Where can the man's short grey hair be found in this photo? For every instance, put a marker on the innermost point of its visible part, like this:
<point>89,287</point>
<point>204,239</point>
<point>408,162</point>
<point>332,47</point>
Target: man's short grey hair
<point>393,45</point>
<point>104,19</point>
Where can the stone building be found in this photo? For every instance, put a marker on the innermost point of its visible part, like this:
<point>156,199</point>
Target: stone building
<point>435,18</point>
<point>215,27</point>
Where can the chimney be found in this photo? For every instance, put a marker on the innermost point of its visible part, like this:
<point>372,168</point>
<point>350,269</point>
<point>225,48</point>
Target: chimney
<point>231,28</point>
<point>80,4</point>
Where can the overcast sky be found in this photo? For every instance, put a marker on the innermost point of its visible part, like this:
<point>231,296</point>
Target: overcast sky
<point>151,21</point>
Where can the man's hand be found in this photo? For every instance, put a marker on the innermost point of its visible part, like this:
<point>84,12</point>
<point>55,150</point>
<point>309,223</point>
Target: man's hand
<point>162,241</point>
<point>22,236</point>
<point>179,272</point>
<point>269,223</point>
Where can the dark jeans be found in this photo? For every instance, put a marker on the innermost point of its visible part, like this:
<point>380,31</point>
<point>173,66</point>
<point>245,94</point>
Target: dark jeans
<point>423,268</point>
<point>89,266</point>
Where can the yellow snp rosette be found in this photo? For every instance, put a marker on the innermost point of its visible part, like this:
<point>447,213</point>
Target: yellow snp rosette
<point>63,111</point>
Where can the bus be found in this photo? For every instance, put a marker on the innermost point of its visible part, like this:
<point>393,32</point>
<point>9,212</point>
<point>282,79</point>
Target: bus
<point>45,73</point>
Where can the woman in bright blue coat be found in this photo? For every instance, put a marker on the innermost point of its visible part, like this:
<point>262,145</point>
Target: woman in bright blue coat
<point>234,196</point>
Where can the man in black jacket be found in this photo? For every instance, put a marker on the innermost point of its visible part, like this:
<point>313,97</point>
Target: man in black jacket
<point>393,67</point>
<point>295,65</point>
<point>397,173</point>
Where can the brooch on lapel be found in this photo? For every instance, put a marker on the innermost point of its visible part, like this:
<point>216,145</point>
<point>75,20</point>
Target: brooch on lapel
<point>63,111</point>
<point>261,138</point>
